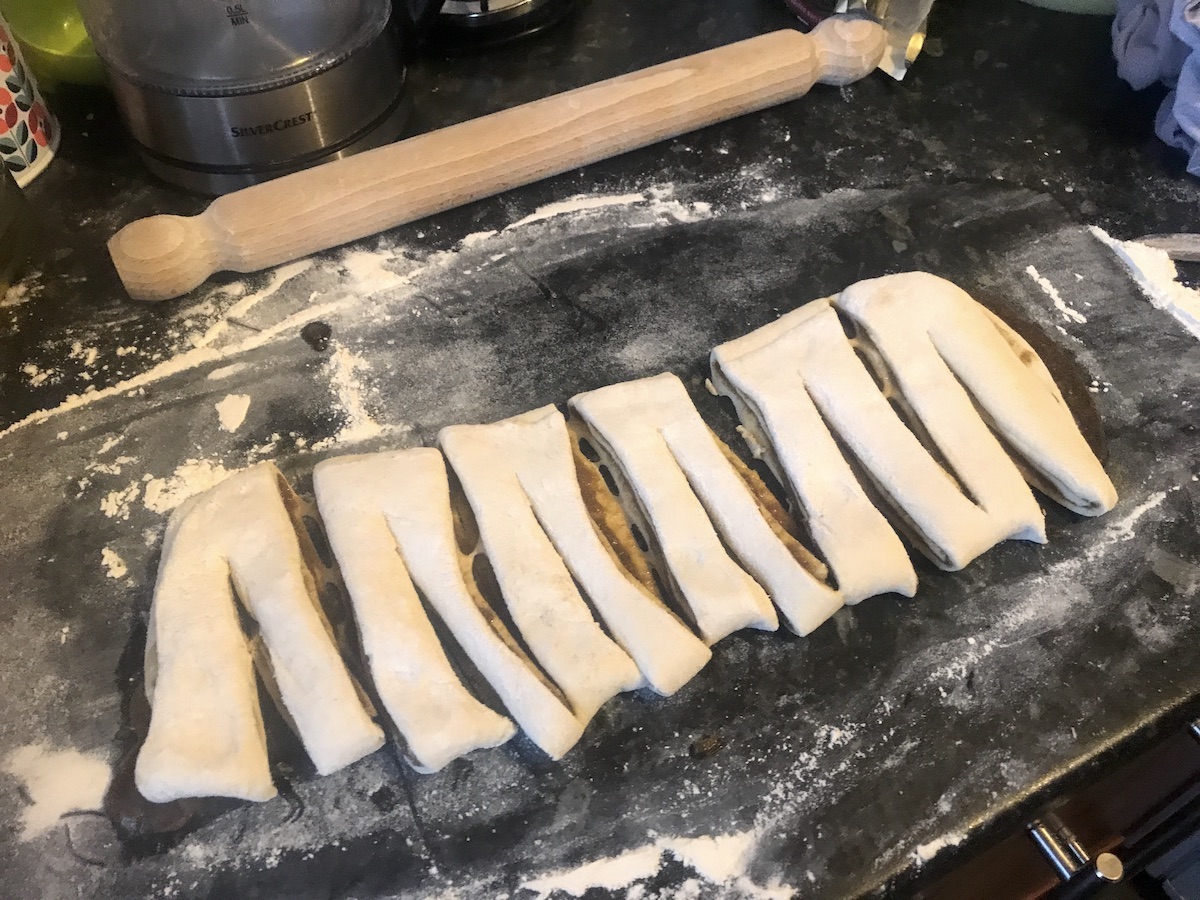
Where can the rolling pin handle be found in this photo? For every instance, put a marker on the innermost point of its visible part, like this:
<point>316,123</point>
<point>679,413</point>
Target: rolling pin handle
<point>848,47</point>
<point>161,257</point>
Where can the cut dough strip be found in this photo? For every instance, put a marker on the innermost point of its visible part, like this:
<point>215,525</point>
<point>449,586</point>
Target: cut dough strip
<point>507,485</point>
<point>437,717</point>
<point>206,734</point>
<point>520,477</point>
<point>409,490</point>
<point>943,522</point>
<point>762,374</point>
<point>692,500</point>
<point>934,335</point>
<point>898,315</point>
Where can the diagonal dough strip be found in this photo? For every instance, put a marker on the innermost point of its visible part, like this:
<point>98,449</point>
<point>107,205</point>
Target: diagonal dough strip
<point>410,491</point>
<point>704,518</point>
<point>525,463</point>
<point>504,478</point>
<point>434,713</point>
<point>206,736</point>
<point>897,315</point>
<point>949,356</point>
<point>945,524</point>
<point>763,373</point>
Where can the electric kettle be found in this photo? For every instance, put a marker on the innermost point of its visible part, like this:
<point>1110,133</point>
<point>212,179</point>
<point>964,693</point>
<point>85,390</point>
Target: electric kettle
<point>221,95</point>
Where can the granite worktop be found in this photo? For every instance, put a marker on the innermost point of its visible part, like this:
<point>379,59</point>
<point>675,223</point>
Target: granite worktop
<point>867,760</point>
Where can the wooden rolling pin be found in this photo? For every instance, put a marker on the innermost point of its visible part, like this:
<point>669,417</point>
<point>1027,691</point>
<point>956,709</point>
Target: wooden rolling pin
<point>271,223</point>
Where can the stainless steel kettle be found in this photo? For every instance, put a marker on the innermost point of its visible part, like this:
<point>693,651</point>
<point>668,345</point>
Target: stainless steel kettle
<point>219,95</point>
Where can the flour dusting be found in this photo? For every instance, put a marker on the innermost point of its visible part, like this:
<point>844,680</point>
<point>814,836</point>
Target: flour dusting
<point>611,874</point>
<point>1069,312</point>
<point>1122,529</point>
<point>925,852</point>
<point>1155,273</point>
<point>359,425</point>
<point>231,411</point>
<point>718,860</point>
<point>114,566</point>
<point>577,204</point>
<point>189,479</point>
<point>57,782</point>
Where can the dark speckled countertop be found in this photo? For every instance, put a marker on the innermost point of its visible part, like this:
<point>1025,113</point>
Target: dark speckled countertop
<point>866,760</point>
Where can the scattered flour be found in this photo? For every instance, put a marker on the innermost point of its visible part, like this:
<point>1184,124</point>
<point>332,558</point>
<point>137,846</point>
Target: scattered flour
<point>611,873</point>
<point>359,425</point>
<point>58,781</point>
<point>1122,529</point>
<point>37,377</point>
<point>720,860</point>
<point>1156,275</point>
<point>114,566</point>
<point>577,204</point>
<point>182,362</point>
<point>86,355</point>
<point>190,478</point>
<point>279,277</point>
<point>226,371</point>
<point>15,295</point>
<point>231,412</point>
<point>1069,312</point>
<point>369,271</point>
<point>925,852</point>
<point>116,504</point>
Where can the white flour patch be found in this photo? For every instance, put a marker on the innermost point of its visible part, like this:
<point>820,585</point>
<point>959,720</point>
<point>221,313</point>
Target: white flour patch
<point>1156,275</point>
<point>15,295</point>
<point>226,371</point>
<point>719,859</point>
<point>58,782</point>
<point>611,874</point>
<point>182,362</point>
<point>1069,312</point>
<point>577,204</point>
<point>925,852</point>
<point>359,425</point>
<point>116,504</point>
<point>190,478</point>
<point>231,411</point>
<point>112,468</point>
<point>278,279</point>
<point>369,271</point>
<point>86,355</point>
<point>37,377</point>
<point>114,566</point>
<point>1122,529</point>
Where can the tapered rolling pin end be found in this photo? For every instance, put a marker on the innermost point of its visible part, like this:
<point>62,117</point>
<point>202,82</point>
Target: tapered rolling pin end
<point>849,47</point>
<point>164,256</point>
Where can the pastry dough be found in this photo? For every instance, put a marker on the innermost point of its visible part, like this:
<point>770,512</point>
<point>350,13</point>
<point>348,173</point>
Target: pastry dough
<point>927,501</point>
<point>520,477</point>
<point>437,717</point>
<point>538,591</point>
<point>934,335</point>
<point>206,734</point>
<point>412,495</point>
<point>765,375</point>
<point>692,500</point>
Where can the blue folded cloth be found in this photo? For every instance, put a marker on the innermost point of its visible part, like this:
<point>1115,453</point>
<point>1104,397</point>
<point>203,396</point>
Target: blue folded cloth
<point>1159,40</point>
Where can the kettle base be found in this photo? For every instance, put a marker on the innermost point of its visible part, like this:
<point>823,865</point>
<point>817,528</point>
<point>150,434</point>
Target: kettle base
<point>216,142</point>
<point>212,180</point>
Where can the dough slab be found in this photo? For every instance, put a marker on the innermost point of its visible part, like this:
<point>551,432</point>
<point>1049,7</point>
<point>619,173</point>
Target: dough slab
<point>206,734</point>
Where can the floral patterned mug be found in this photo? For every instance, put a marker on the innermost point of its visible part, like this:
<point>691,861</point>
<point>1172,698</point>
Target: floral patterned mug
<point>28,133</point>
